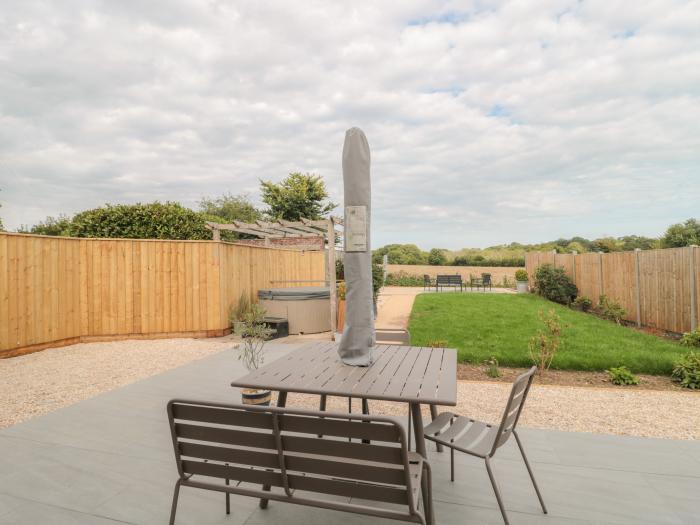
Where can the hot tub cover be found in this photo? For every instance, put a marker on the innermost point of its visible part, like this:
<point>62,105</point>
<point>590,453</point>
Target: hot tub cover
<point>295,294</point>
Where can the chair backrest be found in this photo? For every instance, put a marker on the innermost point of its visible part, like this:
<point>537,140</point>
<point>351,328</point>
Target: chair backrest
<point>516,401</point>
<point>393,335</point>
<point>283,448</point>
<point>426,278</point>
<point>486,278</point>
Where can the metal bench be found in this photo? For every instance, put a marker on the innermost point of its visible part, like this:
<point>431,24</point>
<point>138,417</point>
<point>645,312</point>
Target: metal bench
<point>271,452</point>
<point>454,281</point>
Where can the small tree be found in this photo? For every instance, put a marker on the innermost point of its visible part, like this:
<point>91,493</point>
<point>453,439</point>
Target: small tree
<point>553,284</point>
<point>544,345</point>
<point>299,195</point>
<point>230,208</point>
<point>437,257</point>
<point>255,334</point>
<point>682,234</point>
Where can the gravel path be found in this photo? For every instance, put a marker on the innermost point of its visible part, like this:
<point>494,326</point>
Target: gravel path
<point>38,383</point>
<point>44,381</point>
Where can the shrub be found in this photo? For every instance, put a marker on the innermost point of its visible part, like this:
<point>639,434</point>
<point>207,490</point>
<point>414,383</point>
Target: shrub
<point>544,345</point>
<point>687,371</point>
<point>622,376</point>
<point>255,333</point>
<point>341,291</point>
<point>377,278</point>
<point>156,220</point>
<point>521,275</point>
<point>610,309</point>
<point>403,278</point>
<point>241,309</point>
<point>582,303</point>
<point>691,339</point>
<point>492,369</point>
<point>553,284</point>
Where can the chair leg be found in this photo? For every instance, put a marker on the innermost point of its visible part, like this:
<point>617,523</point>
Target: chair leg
<point>452,464</point>
<point>433,415</point>
<point>176,494</point>
<point>409,428</point>
<point>228,500</point>
<point>496,491</point>
<point>529,471</point>
<point>427,492</point>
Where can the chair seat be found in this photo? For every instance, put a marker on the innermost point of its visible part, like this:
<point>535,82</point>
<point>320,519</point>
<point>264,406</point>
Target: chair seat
<point>462,433</point>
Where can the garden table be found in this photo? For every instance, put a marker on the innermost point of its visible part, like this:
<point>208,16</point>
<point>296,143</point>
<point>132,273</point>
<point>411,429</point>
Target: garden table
<point>407,374</point>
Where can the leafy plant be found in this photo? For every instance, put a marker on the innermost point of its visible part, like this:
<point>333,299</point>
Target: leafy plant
<point>621,375</point>
<point>691,339</point>
<point>299,195</point>
<point>553,284</point>
<point>544,345</point>
<point>255,334</point>
<point>582,303</point>
<point>492,369</point>
<point>610,309</point>
<point>521,275</point>
<point>687,371</point>
<point>341,291</point>
<point>437,257</point>
<point>437,343</point>
<point>239,311</point>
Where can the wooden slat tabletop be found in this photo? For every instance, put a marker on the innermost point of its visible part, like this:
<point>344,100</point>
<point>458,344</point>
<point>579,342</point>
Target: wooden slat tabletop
<point>399,373</point>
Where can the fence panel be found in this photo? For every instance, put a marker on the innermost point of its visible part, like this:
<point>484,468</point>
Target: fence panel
<point>63,290</point>
<point>669,283</point>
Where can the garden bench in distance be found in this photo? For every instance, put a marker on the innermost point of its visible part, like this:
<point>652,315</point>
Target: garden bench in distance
<point>281,448</point>
<point>450,281</point>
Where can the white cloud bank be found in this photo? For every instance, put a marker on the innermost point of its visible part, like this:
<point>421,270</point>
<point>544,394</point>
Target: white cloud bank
<point>488,121</point>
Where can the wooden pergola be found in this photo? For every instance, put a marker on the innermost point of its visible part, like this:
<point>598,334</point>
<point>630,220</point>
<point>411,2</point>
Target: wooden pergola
<point>281,229</point>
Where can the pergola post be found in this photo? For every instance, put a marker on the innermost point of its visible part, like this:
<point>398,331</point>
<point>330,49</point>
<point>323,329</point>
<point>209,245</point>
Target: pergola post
<point>330,235</point>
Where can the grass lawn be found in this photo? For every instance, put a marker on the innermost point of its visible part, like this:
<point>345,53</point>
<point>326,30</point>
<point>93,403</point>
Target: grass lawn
<point>484,325</point>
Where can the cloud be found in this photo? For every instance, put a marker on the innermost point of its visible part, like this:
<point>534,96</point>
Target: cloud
<point>489,121</point>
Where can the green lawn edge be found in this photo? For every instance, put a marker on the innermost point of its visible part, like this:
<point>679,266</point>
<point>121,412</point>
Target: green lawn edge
<point>501,325</point>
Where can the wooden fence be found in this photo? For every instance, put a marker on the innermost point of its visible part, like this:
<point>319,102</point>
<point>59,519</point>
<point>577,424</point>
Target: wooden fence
<point>57,290</point>
<point>657,288</point>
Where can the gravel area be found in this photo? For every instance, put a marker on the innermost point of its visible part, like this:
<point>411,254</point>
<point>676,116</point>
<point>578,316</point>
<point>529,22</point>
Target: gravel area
<point>38,383</point>
<point>44,381</point>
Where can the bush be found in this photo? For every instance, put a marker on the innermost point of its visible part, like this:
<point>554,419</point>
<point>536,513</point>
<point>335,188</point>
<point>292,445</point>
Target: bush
<point>687,371</point>
<point>156,220</point>
<point>492,369</point>
<point>691,339</point>
<point>622,376</point>
<point>582,303</point>
<point>610,309</point>
<point>521,275</point>
<point>544,345</point>
<point>553,284</point>
<point>402,278</point>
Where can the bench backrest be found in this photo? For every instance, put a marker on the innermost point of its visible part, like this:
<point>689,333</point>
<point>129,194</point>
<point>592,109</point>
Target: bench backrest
<point>283,448</point>
<point>449,279</point>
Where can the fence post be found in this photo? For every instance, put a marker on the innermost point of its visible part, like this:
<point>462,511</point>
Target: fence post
<point>554,258</point>
<point>600,272</point>
<point>638,286</point>
<point>693,290</point>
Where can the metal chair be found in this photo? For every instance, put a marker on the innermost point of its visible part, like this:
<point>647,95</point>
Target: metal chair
<point>482,439</point>
<point>486,280</point>
<point>427,282</point>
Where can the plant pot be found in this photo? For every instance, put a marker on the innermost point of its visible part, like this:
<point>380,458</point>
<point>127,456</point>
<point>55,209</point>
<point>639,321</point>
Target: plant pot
<point>340,318</point>
<point>238,327</point>
<point>256,397</point>
<point>522,286</point>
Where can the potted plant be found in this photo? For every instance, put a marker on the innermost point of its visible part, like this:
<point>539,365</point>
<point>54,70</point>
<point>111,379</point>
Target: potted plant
<point>238,312</point>
<point>340,318</point>
<point>251,351</point>
<point>521,281</point>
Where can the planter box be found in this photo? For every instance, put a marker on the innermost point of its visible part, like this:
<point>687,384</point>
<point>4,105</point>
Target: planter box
<point>522,286</point>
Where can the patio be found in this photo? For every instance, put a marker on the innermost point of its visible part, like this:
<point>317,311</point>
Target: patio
<point>109,459</point>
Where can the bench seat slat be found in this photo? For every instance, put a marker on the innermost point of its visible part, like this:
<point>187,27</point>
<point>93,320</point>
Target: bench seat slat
<point>385,432</point>
<point>229,455</point>
<point>215,470</point>
<point>226,435</point>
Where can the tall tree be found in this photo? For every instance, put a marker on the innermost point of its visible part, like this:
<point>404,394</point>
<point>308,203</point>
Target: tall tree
<point>299,195</point>
<point>230,208</point>
<point>437,257</point>
<point>682,234</point>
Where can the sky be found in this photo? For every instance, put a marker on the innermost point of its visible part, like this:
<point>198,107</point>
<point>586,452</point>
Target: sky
<point>489,122</point>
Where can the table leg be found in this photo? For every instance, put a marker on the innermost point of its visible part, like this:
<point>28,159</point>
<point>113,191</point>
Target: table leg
<point>418,429</point>
<point>433,415</point>
<point>281,402</point>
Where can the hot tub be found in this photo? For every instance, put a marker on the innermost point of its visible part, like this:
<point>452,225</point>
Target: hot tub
<point>307,309</point>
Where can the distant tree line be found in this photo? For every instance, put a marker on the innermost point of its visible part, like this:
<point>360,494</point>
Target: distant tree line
<point>677,235</point>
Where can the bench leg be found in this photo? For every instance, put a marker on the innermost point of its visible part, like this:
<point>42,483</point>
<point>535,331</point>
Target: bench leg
<point>228,500</point>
